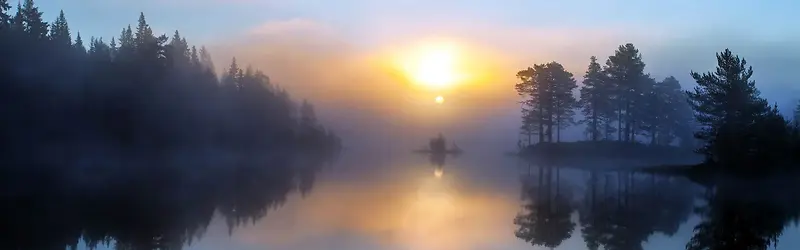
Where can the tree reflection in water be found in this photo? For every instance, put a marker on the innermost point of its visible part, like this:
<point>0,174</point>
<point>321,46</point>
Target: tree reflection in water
<point>745,214</point>
<point>621,210</point>
<point>545,219</point>
<point>618,210</point>
<point>160,206</point>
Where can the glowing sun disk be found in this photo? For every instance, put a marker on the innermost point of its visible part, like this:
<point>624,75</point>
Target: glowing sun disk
<point>433,66</point>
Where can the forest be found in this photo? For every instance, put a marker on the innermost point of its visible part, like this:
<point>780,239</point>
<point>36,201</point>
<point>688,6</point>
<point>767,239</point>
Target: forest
<point>139,93</point>
<point>724,118</point>
<point>140,126</point>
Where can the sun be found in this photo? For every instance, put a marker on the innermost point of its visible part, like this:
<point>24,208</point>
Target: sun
<point>433,66</point>
<point>439,99</point>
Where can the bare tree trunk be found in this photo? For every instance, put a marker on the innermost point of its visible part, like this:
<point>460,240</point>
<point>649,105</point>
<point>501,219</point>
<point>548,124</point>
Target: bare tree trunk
<point>558,128</point>
<point>541,125</point>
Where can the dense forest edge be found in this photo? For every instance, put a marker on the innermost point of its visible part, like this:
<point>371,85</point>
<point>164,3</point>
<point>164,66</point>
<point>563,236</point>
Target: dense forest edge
<point>629,114</point>
<point>137,142</point>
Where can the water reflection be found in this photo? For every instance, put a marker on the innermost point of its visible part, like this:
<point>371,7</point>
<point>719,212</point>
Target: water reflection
<point>622,210</point>
<point>745,214</point>
<point>545,219</point>
<point>164,207</point>
<point>474,202</point>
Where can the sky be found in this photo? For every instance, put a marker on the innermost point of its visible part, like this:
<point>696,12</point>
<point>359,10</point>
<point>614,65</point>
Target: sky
<point>335,52</point>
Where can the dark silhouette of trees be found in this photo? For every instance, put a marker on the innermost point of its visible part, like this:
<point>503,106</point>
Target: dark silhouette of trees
<point>137,141</point>
<point>616,98</point>
<point>546,217</point>
<point>745,214</point>
<point>548,101</point>
<point>625,71</point>
<point>595,102</point>
<point>669,115</point>
<point>564,101</point>
<point>738,126</point>
<point>622,210</point>
<point>59,31</point>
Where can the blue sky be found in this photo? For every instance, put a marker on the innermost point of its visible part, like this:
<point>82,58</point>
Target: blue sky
<point>208,20</point>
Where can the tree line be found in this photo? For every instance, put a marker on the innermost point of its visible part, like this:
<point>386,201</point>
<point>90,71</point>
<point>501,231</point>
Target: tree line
<point>734,126</point>
<point>618,101</point>
<point>138,91</point>
<point>140,126</point>
<point>89,116</point>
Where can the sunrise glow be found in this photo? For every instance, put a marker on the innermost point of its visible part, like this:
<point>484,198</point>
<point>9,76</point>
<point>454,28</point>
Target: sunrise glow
<point>433,65</point>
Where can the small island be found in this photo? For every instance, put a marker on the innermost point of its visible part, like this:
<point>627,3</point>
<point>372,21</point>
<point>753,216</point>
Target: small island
<point>438,146</point>
<point>722,126</point>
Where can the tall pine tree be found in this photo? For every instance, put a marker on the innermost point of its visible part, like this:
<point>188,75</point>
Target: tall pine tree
<point>59,31</point>
<point>78,45</point>
<point>728,107</point>
<point>533,89</point>
<point>32,17</point>
<point>594,100</point>
<point>564,101</point>
<point>625,70</point>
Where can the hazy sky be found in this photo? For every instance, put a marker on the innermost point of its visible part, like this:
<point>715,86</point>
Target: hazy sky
<point>331,51</point>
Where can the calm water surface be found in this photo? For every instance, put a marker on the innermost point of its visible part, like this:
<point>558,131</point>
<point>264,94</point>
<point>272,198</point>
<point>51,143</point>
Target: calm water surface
<point>398,200</point>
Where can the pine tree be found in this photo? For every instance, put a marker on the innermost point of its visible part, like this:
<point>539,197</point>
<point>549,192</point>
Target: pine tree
<point>59,30</point>
<point>532,92</point>
<point>194,58</point>
<point>564,101</point>
<point>32,17</point>
<point>18,21</point>
<point>654,110</point>
<point>127,45</point>
<point>232,76</point>
<point>179,50</point>
<point>5,18</point>
<point>78,45</point>
<point>205,59</point>
<point>144,35</point>
<point>594,99</point>
<point>625,70</point>
<point>112,46</point>
<point>678,114</point>
<point>727,105</point>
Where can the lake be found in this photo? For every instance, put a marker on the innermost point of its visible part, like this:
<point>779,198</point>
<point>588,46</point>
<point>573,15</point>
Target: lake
<point>395,199</point>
